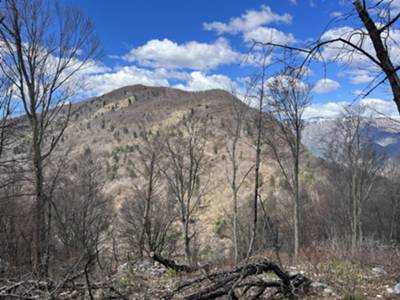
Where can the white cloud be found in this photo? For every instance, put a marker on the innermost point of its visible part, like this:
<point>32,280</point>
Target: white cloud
<point>256,58</point>
<point>252,26</point>
<point>250,20</point>
<point>192,55</point>
<point>358,76</point>
<point>380,107</point>
<point>339,51</point>
<point>93,67</point>
<point>336,14</point>
<point>285,81</point>
<point>198,81</point>
<point>343,53</point>
<point>358,93</point>
<point>375,107</point>
<point>129,75</point>
<point>268,35</point>
<point>293,2</point>
<point>325,85</point>
<point>393,4</point>
<point>360,68</point>
<point>325,110</point>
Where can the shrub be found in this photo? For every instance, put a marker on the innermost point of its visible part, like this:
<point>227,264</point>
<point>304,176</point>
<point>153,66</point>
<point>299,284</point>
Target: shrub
<point>353,295</point>
<point>219,227</point>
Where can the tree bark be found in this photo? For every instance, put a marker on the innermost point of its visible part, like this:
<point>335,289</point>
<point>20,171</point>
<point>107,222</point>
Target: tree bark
<point>257,177</point>
<point>382,52</point>
<point>296,212</point>
<point>40,205</point>
<point>146,218</point>
<point>188,252</point>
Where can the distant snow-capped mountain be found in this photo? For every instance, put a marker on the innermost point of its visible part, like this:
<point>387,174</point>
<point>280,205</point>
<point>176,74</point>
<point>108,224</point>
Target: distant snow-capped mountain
<point>385,133</point>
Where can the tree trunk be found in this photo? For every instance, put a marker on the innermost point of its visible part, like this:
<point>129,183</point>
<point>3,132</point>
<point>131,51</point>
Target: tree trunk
<point>146,217</point>
<point>188,252</point>
<point>296,208</point>
<point>257,178</point>
<point>354,221</point>
<point>235,227</point>
<point>40,206</point>
<point>235,200</point>
<point>381,51</point>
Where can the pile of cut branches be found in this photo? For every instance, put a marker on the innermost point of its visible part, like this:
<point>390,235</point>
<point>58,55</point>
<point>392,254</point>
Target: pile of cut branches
<point>244,282</point>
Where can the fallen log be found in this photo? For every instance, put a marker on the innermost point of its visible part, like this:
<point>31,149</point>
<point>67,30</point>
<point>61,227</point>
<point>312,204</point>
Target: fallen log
<point>170,264</point>
<point>243,282</point>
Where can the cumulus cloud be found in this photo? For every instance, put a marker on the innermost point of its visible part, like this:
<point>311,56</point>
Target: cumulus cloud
<point>164,63</point>
<point>268,35</point>
<point>358,76</point>
<point>285,81</point>
<point>192,55</point>
<point>380,107</point>
<point>128,75</point>
<point>325,85</point>
<point>360,69</point>
<point>250,20</point>
<point>339,51</point>
<point>98,84</point>
<point>198,81</point>
<point>374,106</point>
<point>343,53</point>
<point>325,110</point>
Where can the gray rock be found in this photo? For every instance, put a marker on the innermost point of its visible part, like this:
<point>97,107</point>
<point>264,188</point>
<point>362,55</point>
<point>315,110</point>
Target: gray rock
<point>123,267</point>
<point>316,284</point>
<point>330,290</point>
<point>396,289</point>
<point>149,268</point>
<point>379,271</point>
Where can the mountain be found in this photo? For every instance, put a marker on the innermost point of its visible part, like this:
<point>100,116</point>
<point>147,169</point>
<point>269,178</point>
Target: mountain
<point>385,133</point>
<point>111,125</point>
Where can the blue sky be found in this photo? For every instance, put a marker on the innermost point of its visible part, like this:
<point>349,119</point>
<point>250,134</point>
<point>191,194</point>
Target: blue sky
<point>200,44</point>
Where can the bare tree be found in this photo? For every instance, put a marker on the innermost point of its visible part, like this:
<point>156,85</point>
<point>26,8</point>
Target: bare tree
<point>350,147</point>
<point>257,86</point>
<point>237,177</point>
<point>392,172</point>
<point>289,97</point>
<point>15,224</point>
<point>148,214</point>
<point>373,42</point>
<point>186,175</point>
<point>379,36</point>
<point>82,215</point>
<point>45,46</point>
